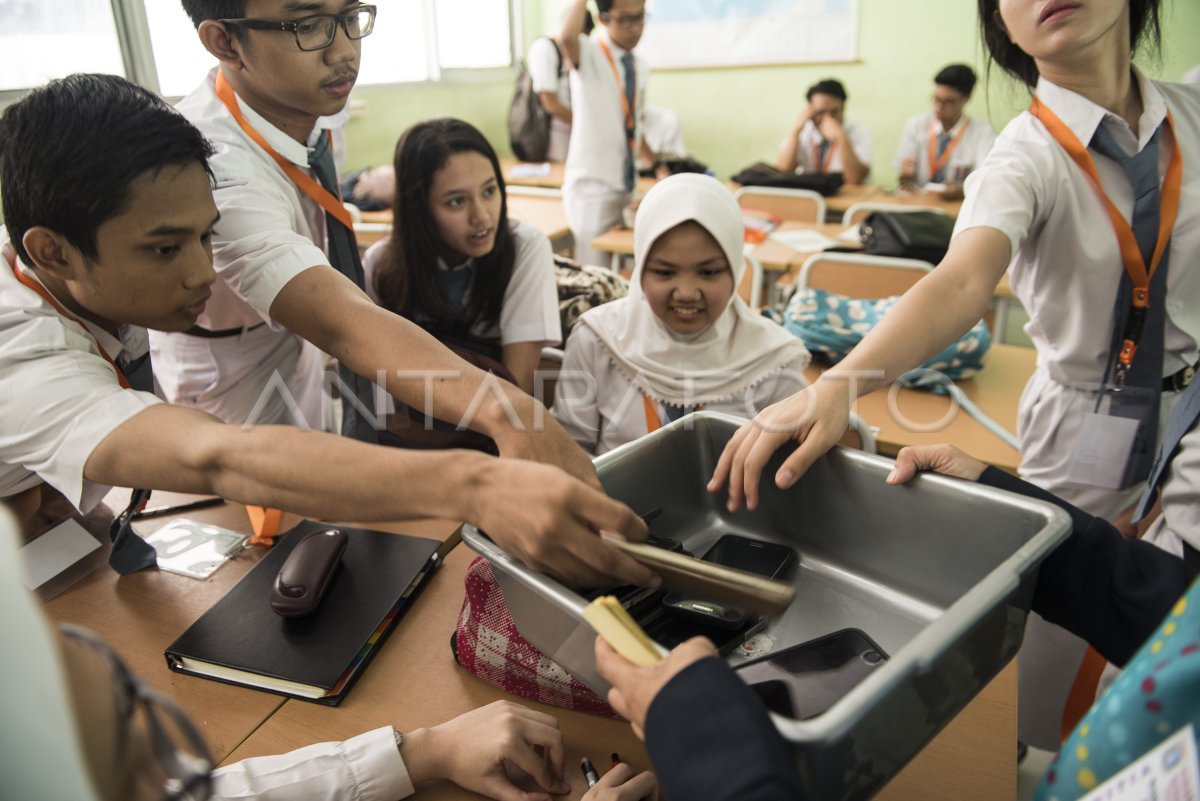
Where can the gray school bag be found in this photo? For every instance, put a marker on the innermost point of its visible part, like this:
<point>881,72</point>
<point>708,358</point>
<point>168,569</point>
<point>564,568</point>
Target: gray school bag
<point>528,120</point>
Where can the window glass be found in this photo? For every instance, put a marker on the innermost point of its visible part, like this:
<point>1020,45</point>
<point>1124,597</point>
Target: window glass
<point>40,41</point>
<point>473,34</point>
<point>179,57</point>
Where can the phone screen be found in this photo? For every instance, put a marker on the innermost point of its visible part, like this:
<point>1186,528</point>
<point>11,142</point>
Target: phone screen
<point>805,680</point>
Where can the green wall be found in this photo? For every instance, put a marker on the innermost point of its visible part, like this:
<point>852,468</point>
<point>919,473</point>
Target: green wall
<point>732,117</point>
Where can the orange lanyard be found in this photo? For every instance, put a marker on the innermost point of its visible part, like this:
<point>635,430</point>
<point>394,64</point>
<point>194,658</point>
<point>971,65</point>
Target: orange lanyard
<point>935,164</point>
<point>307,184</point>
<point>653,421</point>
<point>46,296</point>
<point>630,124</point>
<point>823,165</point>
<point>1131,253</point>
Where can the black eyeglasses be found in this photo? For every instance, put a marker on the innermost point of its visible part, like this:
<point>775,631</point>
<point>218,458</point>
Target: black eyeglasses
<point>317,31</point>
<point>181,752</point>
<point>626,20</point>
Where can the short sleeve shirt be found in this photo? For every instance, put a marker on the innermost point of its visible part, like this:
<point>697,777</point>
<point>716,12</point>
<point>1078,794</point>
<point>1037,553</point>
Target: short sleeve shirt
<point>968,154</point>
<point>269,229</point>
<point>59,398</point>
<point>598,145</point>
<point>810,138</point>
<point>530,309</point>
<point>1066,266</point>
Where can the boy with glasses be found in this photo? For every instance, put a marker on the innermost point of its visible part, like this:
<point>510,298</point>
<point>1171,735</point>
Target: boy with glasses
<point>250,357</point>
<point>608,91</point>
<point>942,146</point>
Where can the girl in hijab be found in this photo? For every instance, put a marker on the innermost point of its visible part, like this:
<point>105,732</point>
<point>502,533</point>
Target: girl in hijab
<point>682,340</point>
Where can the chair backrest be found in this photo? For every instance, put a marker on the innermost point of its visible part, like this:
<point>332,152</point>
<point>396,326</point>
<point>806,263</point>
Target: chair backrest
<point>801,205</point>
<point>861,276</point>
<point>859,435</point>
<point>751,285</point>
<point>546,375</point>
<point>858,211</point>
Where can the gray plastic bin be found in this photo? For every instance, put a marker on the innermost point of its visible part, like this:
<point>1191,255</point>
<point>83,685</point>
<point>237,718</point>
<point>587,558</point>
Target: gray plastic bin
<point>939,572</point>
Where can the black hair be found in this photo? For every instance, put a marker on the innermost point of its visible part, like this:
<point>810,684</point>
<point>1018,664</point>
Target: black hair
<point>70,149</point>
<point>589,24</point>
<point>828,86</point>
<point>1144,23</point>
<point>201,10</point>
<point>407,282</point>
<point>604,6</point>
<point>957,76</point>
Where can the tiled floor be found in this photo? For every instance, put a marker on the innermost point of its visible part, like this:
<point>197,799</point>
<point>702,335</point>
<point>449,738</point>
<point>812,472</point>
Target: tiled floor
<point>1030,773</point>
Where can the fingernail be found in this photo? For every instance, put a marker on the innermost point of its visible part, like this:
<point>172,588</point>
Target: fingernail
<point>891,477</point>
<point>785,478</point>
<point>655,582</point>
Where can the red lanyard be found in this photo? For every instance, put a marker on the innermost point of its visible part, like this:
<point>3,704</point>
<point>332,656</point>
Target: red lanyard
<point>307,184</point>
<point>823,165</point>
<point>630,124</point>
<point>1131,254</point>
<point>46,296</point>
<point>936,164</point>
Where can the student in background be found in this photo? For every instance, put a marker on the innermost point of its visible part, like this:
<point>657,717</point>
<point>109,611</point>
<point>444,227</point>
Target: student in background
<point>1115,592</point>
<point>663,132</point>
<point>551,74</point>
<point>455,264</point>
<point>110,216</point>
<point>683,338</point>
<point>823,141</point>
<point>608,91</point>
<point>1073,249</point>
<point>943,146</point>
<point>283,229</point>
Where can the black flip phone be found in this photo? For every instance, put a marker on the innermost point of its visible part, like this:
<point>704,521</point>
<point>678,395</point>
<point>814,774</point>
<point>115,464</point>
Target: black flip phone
<point>805,680</point>
<point>761,557</point>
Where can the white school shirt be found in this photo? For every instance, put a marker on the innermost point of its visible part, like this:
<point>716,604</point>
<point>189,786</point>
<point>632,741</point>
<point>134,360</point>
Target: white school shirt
<point>59,398</point>
<point>810,137</point>
<point>269,228</point>
<point>968,154</point>
<point>529,312</point>
<point>601,408</point>
<point>1066,266</point>
<point>598,145</point>
<point>550,72</point>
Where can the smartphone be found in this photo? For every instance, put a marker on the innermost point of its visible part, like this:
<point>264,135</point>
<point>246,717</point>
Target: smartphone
<point>805,680</point>
<point>769,559</point>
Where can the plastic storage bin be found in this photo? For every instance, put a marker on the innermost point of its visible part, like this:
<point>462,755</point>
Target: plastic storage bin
<point>939,572</point>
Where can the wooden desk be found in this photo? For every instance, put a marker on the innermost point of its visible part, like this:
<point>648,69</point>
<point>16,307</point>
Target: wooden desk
<point>543,212</point>
<point>414,682</point>
<point>556,177</point>
<point>908,198</point>
<point>996,390</point>
<point>141,614</point>
<point>847,196</point>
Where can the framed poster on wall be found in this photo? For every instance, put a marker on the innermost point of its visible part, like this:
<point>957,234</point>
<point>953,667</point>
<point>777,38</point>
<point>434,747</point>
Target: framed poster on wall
<point>685,34</point>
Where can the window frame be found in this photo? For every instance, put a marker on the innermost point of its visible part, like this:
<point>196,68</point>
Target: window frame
<point>137,52</point>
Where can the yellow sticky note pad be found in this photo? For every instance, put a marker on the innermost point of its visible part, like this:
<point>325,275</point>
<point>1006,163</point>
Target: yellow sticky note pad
<point>613,623</point>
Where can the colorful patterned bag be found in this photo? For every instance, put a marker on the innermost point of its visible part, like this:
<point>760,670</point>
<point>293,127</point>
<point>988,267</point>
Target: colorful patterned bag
<point>582,287</point>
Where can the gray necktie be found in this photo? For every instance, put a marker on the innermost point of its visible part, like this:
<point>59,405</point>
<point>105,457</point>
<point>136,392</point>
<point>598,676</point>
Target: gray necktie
<point>943,141</point>
<point>1147,369</point>
<point>130,553</point>
<point>343,255</point>
<point>1181,421</point>
<point>822,152</point>
<point>630,92</point>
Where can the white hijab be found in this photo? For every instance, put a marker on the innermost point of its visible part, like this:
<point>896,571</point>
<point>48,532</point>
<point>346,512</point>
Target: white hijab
<point>734,354</point>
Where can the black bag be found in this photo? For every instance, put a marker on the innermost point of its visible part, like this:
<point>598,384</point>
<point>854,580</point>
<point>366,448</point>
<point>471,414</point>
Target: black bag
<point>528,120</point>
<point>921,235</point>
<point>762,174</point>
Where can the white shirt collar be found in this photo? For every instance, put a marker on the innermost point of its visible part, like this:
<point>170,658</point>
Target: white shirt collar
<point>954,129</point>
<point>618,52</point>
<point>1083,116</point>
<point>285,145</point>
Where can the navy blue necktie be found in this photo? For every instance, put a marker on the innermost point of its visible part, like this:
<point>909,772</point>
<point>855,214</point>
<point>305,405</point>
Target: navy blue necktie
<point>1146,371</point>
<point>630,94</point>
<point>343,255</point>
<point>943,141</point>
<point>130,553</point>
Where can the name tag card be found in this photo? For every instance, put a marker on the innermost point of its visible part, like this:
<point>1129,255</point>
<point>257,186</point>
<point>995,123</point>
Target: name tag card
<point>1169,772</point>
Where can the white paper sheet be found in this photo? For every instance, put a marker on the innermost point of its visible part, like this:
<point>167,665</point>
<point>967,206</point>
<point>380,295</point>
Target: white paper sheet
<point>55,551</point>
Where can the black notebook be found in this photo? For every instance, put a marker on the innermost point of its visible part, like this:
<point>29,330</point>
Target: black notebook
<point>241,640</point>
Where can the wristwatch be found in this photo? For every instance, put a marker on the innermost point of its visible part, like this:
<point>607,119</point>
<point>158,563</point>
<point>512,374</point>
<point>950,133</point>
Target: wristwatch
<point>399,735</point>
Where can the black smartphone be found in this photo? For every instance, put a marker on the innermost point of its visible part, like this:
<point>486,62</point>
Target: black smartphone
<point>763,558</point>
<point>805,680</point>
